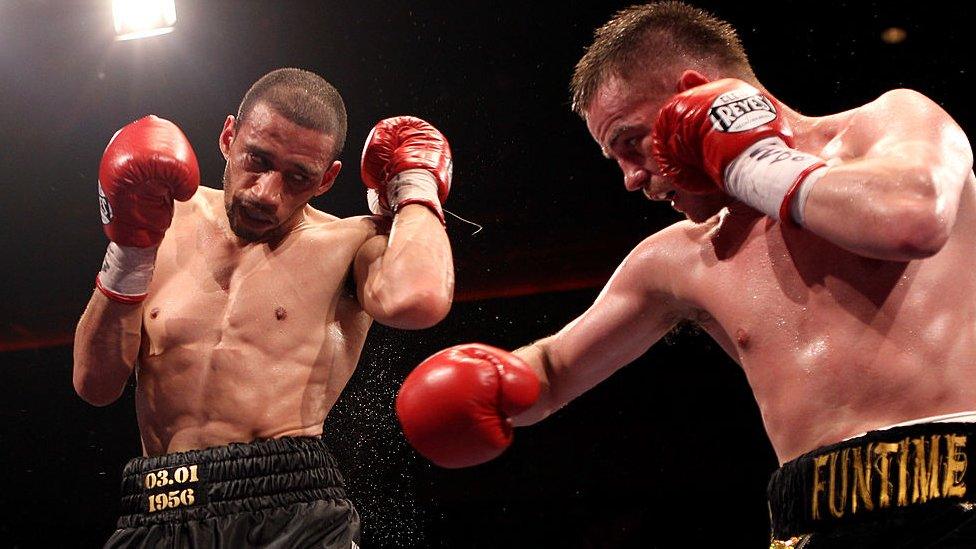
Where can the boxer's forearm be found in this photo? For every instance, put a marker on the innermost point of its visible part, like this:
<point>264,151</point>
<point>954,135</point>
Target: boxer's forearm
<point>106,346</point>
<point>537,357</point>
<point>415,281</point>
<point>885,209</point>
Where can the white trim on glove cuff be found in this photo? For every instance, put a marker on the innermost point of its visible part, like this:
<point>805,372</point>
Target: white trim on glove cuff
<point>765,172</point>
<point>126,272</point>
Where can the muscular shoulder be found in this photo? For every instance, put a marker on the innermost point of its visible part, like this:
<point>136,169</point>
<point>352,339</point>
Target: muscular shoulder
<point>205,204</point>
<point>362,226</point>
<point>204,200</point>
<point>664,261</point>
<point>351,232</point>
<point>906,118</point>
<point>901,113</point>
<point>671,244</point>
<point>905,101</point>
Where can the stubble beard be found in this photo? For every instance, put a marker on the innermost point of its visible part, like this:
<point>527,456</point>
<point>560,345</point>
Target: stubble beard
<point>233,210</point>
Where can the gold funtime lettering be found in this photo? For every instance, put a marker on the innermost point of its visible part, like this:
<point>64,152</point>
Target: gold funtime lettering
<point>879,475</point>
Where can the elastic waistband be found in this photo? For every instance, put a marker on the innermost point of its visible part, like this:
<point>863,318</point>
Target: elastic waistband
<point>882,475</point>
<point>228,479</point>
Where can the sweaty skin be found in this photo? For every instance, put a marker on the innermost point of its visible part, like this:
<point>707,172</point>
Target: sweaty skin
<point>864,319</point>
<point>247,343</point>
<point>255,336</point>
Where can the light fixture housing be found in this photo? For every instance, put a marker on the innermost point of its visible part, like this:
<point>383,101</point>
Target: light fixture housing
<point>143,18</point>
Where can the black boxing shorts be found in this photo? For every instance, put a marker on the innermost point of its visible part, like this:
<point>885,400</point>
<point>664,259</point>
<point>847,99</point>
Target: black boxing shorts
<point>911,486</point>
<point>285,493</point>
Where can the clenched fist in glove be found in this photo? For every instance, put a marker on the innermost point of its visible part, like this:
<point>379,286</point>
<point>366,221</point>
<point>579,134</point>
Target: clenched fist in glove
<point>406,161</point>
<point>455,406</point>
<point>728,135</point>
<point>147,164</point>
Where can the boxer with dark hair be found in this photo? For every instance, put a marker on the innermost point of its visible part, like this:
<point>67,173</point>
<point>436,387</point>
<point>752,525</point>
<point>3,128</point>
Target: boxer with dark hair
<point>831,257</point>
<point>243,312</point>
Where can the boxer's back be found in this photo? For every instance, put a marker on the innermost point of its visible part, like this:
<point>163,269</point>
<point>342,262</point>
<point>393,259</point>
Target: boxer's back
<point>245,343</point>
<point>833,343</point>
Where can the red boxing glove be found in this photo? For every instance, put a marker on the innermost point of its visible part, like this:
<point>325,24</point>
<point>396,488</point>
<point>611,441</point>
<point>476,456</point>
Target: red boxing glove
<point>454,407</point>
<point>145,166</point>
<point>406,161</point>
<point>701,130</point>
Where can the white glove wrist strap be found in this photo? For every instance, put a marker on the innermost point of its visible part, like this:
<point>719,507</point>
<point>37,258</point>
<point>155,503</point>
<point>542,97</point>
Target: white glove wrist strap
<point>414,186</point>
<point>126,272</point>
<point>765,172</point>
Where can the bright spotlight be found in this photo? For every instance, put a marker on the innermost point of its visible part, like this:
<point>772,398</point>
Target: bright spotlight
<point>143,18</point>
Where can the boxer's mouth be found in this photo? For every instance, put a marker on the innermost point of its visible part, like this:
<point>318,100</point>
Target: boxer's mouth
<point>666,196</point>
<point>256,216</point>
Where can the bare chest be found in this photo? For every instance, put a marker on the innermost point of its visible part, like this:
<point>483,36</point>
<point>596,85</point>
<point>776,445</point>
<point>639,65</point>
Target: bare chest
<point>834,344</point>
<point>795,297</point>
<point>206,294</point>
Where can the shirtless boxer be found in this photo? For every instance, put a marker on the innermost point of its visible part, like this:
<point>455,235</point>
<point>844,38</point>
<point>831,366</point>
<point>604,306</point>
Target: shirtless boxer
<point>245,321</point>
<point>832,258</point>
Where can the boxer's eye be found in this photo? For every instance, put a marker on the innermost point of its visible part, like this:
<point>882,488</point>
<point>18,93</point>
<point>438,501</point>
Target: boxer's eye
<point>299,180</point>
<point>255,162</point>
<point>628,150</point>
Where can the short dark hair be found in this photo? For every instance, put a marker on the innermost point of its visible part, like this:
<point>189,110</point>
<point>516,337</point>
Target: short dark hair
<point>302,97</point>
<point>665,31</point>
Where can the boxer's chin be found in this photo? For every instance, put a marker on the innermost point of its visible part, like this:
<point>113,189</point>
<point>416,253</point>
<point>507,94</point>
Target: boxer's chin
<point>698,217</point>
<point>244,233</point>
<point>699,208</point>
<point>245,228</point>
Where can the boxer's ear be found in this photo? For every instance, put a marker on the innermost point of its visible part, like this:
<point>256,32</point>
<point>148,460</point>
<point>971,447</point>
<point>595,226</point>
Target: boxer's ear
<point>328,178</point>
<point>226,136</point>
<point>691,78</point>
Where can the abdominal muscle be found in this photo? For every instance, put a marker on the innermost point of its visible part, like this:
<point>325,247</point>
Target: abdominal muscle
<point>245,343</point>
<point>201,395</point>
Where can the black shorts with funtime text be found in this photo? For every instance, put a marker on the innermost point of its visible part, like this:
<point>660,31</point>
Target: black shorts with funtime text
<point>906,487</point>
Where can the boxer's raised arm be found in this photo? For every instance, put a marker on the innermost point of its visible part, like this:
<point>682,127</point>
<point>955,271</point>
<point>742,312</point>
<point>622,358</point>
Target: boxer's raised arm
<point>898,201</point>
<point>635,309</point>
<point>147,164</point>
<point>894,195</point>
<point>406,280</point>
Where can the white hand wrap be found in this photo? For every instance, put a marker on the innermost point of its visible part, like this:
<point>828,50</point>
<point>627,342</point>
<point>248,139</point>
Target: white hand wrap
<point>768,172</point>
<point>408,187</point>
<point>126,272</point>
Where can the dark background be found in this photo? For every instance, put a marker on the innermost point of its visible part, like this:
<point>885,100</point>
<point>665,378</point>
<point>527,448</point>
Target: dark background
<point>670,451</point>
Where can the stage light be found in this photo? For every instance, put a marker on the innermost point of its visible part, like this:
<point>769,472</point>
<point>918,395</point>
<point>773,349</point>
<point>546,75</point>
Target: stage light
<point>894,35</point>
<point>143,18</point>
